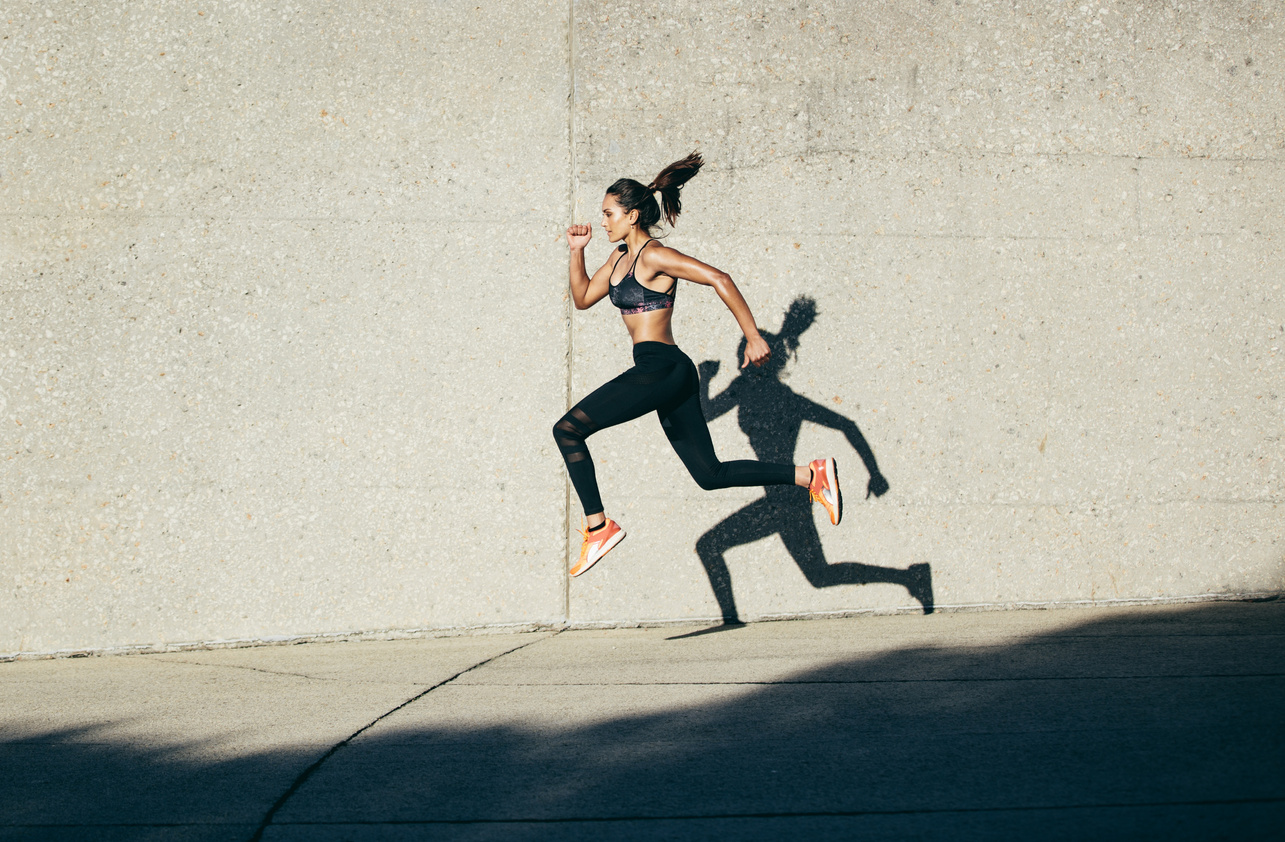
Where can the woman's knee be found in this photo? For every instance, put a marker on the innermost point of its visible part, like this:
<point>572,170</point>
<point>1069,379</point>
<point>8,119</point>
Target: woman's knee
<point>566,433</point>
<point>708,480</point>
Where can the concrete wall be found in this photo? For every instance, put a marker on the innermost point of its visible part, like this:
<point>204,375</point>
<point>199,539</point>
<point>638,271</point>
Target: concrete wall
<point>283,324</point>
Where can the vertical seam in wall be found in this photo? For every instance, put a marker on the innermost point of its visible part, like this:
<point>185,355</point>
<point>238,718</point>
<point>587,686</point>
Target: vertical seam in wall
<point>571,210</point>
<point>1137,195</point>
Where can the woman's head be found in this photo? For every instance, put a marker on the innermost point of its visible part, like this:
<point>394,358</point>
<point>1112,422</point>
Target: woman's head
<point>630,203</point>
<point>785,342</point>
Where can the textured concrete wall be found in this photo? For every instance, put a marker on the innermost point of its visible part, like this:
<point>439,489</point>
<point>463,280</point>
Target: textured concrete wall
<point>283,323</point>
<point>1045,245</point>
<point>283,327</point>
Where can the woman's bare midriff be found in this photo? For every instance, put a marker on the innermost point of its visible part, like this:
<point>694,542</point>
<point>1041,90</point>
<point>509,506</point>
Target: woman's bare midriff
<point>653,326</point>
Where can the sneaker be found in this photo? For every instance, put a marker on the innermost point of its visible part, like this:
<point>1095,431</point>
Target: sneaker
<point>597,544</point>
<point>824,488</point>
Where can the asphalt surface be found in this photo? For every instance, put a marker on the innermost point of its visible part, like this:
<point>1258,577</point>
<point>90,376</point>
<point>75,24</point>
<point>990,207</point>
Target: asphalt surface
<point>1161,722</point>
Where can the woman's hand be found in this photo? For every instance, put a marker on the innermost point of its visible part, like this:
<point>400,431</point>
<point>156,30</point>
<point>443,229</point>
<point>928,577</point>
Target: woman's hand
<point>578,236</point>
<point>756,351</point>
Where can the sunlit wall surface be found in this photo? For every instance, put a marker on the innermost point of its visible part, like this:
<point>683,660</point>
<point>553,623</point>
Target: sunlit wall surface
<point>283,322</point>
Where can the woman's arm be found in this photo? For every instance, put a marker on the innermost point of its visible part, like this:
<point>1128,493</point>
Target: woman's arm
<point>585,291</point>
<point>826,417</point>
<point>678,265</point>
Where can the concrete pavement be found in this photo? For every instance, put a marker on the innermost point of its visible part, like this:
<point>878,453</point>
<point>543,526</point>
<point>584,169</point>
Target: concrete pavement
<point>1142,722</point>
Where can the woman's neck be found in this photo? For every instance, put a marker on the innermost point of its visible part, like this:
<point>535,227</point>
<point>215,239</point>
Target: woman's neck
<point>636,240</point>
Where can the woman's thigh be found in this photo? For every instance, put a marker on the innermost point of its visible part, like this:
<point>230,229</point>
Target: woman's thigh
<point>684,423</point>
<point>630,395</point>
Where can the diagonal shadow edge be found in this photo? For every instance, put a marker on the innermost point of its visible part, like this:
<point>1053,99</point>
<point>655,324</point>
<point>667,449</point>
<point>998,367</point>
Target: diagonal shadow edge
<point>307,773</point>
<point>604,765</point>
<point>1082,656</point>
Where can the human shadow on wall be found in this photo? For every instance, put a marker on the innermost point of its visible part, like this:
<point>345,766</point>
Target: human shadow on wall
<point>771,414</point>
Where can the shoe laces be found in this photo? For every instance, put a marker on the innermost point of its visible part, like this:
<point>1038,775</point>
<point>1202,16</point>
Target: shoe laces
<point>584,530</point>
<point>814,487</point>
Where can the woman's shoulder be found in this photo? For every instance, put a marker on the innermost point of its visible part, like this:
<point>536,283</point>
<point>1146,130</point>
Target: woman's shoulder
<point>656,250</point>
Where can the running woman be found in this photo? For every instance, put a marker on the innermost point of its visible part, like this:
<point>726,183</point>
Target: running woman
<point>641,281</point>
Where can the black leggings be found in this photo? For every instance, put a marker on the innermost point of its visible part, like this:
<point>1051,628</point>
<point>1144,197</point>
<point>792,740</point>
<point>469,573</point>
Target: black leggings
<point>663,379</point>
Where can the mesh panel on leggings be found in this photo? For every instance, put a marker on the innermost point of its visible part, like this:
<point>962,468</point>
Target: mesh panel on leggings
<point>570,434</point>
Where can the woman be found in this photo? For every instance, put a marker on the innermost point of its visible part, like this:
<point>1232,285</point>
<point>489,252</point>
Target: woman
<point>641,279</point>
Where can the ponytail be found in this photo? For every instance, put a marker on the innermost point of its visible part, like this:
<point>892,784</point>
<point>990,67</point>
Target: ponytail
<point>670,182</point>
<point>633,196</point>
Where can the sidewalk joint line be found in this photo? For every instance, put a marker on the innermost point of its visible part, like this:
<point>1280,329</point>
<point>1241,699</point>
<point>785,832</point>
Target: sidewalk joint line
<point>1213,802</point>
<point>1031,808</point>
<point>317,764</point>
<point>348,681</point>
<point>250,669</point>
<point>806,682</point>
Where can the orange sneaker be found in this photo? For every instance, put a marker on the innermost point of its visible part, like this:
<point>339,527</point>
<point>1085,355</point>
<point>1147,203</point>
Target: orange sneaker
<point>824,488</point>
<point>597,544</point>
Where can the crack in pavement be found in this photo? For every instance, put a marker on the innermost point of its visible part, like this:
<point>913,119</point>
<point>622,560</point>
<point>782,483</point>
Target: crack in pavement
<point>317,764</point>
<point>256,669</point>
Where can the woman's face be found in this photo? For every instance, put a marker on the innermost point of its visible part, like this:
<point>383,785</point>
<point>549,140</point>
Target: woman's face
<point>615,220</point>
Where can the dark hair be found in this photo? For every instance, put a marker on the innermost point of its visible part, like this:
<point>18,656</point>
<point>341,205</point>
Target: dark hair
<point>634,196</point>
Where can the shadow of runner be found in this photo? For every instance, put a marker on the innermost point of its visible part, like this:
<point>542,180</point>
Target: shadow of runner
<point>771,414</point>
<point>731,625</point>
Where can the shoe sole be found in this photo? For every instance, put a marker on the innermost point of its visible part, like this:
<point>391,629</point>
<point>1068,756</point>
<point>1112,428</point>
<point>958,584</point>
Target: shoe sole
<point>832,471</point>
<point>611,545</point>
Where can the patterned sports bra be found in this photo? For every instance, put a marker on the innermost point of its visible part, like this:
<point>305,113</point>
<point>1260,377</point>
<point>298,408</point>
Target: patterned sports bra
<point>632,297</point>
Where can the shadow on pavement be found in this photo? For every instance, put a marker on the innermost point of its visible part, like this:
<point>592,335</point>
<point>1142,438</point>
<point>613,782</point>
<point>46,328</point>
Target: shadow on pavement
<point>1159,724</point>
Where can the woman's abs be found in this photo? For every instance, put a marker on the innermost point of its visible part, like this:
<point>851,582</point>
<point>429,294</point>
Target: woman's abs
<point>653,326</point>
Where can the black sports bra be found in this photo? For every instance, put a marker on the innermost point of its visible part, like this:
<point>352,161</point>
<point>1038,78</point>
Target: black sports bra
<point>632,297</point>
